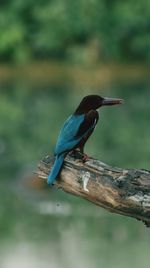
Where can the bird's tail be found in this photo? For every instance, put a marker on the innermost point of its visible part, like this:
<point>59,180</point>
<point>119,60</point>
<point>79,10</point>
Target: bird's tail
<point>56,168</point>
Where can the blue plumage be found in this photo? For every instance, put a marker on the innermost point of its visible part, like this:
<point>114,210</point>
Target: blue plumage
<point>67,137</point>
<point>67,140</point>
<point>55,169</point>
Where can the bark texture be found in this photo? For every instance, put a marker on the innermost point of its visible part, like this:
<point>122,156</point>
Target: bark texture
<point>121,191</point>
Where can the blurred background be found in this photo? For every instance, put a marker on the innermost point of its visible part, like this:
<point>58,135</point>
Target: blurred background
<point>52,53</point>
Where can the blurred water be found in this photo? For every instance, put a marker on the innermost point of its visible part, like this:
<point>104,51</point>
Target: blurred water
<point>42,227</point>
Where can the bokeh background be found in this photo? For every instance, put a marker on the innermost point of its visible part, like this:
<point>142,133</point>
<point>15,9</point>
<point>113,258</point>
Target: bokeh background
<point>52,53</point>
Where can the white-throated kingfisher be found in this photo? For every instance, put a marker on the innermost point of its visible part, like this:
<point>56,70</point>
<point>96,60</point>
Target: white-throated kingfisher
<point>77,129</point>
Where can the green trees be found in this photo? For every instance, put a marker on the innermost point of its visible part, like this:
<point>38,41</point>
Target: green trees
<point>56,28</point>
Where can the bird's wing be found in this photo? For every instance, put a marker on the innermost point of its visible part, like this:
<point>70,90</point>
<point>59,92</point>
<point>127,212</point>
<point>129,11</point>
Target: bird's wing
<point>67,139</point>
<point>74,129</point>
<point>89,123</point>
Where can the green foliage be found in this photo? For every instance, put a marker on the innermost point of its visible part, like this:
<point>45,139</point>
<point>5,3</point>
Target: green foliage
<point>52,28</point>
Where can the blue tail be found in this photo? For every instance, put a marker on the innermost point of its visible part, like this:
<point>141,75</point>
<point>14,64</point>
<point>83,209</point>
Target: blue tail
<point>56,168</point>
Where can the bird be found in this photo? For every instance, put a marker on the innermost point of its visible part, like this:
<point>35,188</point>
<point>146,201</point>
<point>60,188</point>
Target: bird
<point>77,129</point>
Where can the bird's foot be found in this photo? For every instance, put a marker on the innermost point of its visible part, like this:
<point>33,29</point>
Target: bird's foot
<point>72,154</point>
<point>77,155</point>
<point>85,158</point>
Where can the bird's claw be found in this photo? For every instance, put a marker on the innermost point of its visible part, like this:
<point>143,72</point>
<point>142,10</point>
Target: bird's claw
<point>77,155</point>
<point>85,158</point>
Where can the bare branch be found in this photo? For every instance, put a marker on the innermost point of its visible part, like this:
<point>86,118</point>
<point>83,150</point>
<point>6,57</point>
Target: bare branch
<point>121,191</point>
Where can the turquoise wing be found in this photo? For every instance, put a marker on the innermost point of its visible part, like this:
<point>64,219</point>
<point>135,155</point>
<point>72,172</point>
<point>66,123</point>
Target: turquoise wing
<point>67,139</point>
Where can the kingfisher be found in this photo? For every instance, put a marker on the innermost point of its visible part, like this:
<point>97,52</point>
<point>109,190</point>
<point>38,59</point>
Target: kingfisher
<point>77,129</point>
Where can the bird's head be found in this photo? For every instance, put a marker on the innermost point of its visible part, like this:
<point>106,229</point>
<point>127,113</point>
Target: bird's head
<point>94,102</point>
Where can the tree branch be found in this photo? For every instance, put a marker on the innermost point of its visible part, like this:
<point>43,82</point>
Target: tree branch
<point>121,191</point>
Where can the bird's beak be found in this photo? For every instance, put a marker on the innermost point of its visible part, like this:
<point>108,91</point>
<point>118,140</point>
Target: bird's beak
<point>111,101</point>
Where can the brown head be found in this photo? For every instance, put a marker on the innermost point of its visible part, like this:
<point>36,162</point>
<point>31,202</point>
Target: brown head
<point>94,102</point>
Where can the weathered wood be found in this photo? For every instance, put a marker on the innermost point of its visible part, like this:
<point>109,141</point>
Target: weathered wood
<point>121,191</point>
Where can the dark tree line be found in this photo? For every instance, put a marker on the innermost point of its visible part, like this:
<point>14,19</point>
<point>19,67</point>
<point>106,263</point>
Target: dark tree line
<point>116,30</point>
